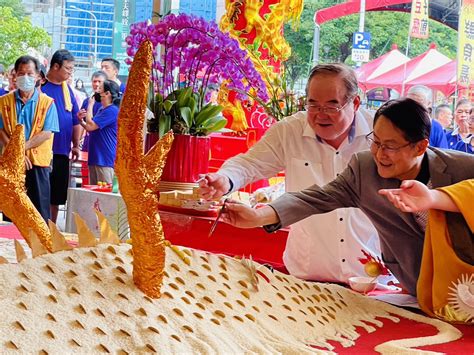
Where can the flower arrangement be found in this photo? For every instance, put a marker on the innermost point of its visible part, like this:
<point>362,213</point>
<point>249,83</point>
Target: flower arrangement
<point>192,58</point>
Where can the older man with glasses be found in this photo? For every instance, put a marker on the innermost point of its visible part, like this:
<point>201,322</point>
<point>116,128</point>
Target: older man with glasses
<point>398,151</point>
<point>56,87</point>
<point>312,147</point>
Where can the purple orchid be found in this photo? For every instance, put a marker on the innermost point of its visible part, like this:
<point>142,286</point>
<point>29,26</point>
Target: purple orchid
<point>192,52</point>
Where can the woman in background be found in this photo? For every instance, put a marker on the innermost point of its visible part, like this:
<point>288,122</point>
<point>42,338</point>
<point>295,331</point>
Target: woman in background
<point>103,132</point>
<point>80,87</point>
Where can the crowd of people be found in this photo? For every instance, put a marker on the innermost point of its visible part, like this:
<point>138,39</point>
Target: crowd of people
<point>336,157</point>
<point>60,120</point>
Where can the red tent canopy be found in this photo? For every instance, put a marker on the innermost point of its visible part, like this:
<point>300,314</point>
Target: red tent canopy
<point>418,66</point>
<point>381,65</point>
<point>442,79</point>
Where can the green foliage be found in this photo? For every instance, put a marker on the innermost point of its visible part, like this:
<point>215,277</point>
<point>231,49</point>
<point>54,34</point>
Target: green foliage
<point>386,27</point>
<point>18,10</point>
<point>183,111</point>
<point>300,41</point>
<point>17,35</point>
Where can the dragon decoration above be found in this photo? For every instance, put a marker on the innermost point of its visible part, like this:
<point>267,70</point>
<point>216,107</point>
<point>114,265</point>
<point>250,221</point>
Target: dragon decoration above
<point>258,26</point>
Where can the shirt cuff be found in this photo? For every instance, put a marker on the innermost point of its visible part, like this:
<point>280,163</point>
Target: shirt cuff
<point>272,227</point>
<point>231,187</point>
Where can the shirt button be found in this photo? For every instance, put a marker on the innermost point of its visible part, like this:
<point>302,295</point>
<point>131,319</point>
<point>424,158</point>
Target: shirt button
<point>337,152</point>
<point>341,219</point>
<point>343,260</point>
<point>342,240</point>
<point>306,164</point>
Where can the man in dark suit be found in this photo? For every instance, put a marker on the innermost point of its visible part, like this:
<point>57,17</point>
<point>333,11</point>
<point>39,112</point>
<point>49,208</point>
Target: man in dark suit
<point>398,151</point>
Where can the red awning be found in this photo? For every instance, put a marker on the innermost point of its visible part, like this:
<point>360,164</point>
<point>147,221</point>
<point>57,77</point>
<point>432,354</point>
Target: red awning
<point>351,7</point>
<point>442,79</point>
<point>381,65</point>
<point>418,66</point>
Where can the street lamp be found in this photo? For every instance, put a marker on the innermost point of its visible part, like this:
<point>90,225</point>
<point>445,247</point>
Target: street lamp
<point>96,29</point>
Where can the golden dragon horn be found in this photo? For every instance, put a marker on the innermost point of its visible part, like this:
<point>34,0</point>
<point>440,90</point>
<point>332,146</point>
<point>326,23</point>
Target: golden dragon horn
<point>137,174</point>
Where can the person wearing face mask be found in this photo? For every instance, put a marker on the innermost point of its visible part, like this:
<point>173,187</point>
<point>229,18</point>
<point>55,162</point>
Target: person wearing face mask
<point>102,129</point>
<point>37,112</point>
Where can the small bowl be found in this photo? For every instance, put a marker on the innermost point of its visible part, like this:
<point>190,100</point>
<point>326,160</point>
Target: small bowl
<point>362,284</point>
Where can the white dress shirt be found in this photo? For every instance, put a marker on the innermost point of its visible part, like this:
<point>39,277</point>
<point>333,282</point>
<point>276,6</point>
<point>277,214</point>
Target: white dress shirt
<point>322,247</point>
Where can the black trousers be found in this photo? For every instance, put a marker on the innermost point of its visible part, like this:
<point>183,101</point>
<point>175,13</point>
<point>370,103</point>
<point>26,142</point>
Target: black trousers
<point>38,190</point>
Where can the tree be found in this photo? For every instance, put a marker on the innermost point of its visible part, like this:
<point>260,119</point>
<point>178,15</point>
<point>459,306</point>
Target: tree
<point>300,40</point>
<point>16,6</point>
<point>386,27</point>
<point>17,35</point>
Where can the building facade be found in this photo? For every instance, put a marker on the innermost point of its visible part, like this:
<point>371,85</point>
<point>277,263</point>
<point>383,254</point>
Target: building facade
<point>89,29</point>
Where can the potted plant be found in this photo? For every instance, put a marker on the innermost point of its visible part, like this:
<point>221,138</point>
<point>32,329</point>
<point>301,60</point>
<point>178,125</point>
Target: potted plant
<point>192,58</point>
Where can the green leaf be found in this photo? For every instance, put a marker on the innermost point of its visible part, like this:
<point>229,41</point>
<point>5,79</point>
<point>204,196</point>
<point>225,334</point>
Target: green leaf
<point>168,105</point>
<point>212,124</point>
<point>164,125</point>
<point>208,111</point>
<point>192,104</point>
<point>185,113</point>
<point>184,95</point>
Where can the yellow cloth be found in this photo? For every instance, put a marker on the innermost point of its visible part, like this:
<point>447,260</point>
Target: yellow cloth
<point>67,97</point>
<point>441,269</point>
<point>42,154</point>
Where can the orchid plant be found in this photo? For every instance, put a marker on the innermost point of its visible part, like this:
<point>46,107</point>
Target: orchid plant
<point>192,57</point>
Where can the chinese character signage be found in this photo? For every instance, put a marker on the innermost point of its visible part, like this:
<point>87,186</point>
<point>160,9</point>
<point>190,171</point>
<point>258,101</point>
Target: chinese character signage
<point>419,19</point>
<point>124,17</point>
<point>466,44</point>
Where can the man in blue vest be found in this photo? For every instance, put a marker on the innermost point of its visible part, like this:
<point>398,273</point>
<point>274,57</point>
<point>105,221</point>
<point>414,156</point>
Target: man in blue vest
<point>61,68</point>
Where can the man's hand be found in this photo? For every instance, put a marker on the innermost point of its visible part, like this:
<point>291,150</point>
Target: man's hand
<point>75,153</point>
<point>243,216</point>
<point>213,186</point>
<point>28,164</point>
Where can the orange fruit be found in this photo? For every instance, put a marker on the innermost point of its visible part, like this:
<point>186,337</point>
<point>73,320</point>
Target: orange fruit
<point>372,269</point>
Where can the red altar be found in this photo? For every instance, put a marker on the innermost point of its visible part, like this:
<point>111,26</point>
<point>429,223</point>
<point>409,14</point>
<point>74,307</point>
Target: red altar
<point>224,147</point>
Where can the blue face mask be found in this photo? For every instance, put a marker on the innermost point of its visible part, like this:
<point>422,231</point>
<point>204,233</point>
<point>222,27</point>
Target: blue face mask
<point>26,83</point>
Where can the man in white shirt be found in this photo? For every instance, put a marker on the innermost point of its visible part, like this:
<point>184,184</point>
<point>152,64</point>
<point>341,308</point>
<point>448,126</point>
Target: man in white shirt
<point>312,147</point>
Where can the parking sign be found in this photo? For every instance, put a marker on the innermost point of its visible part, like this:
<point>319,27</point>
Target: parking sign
<point>361,46</point>
<point>361,40</point>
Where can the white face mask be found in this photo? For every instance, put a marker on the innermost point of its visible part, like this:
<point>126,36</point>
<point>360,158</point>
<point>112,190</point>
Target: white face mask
<point>26,83</point>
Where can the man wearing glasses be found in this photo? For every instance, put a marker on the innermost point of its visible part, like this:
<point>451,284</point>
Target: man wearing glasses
<point>398,151</point>
<point>313,147</point>
<point>61,68</point>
